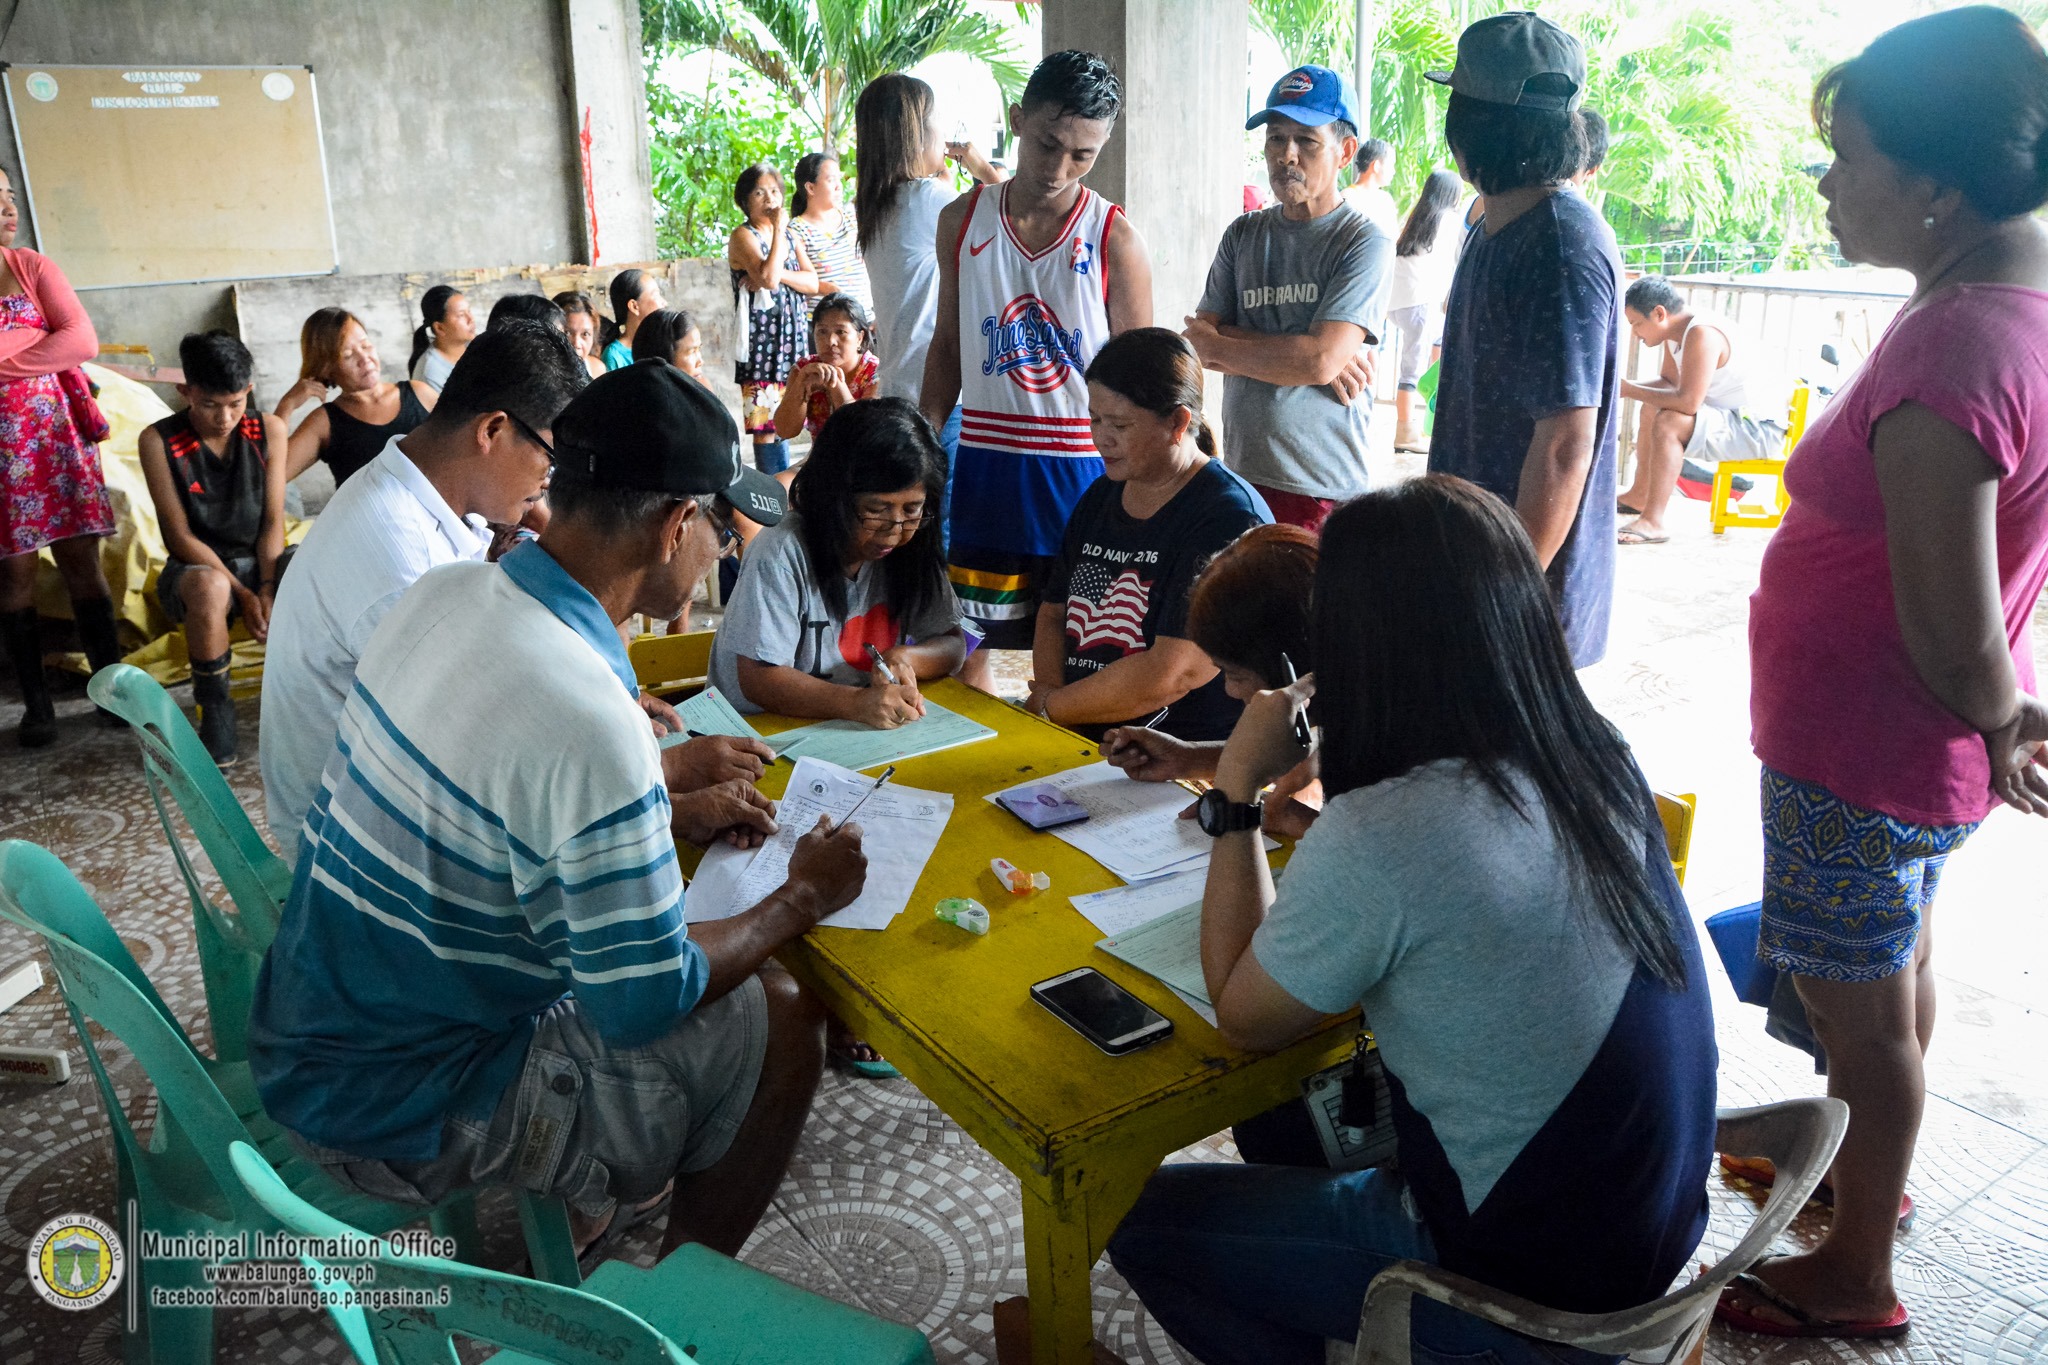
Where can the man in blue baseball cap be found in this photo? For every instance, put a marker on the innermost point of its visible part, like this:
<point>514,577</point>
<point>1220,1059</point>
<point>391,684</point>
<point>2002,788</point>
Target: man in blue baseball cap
<point>1296,296</point>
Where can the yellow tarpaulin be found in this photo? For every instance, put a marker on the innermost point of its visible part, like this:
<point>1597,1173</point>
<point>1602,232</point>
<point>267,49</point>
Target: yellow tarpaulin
<point>134,554</point>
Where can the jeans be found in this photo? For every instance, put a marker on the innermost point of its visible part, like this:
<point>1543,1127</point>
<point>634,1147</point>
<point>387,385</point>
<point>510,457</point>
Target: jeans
<point>1258,1265</point>
<point>949,437</point>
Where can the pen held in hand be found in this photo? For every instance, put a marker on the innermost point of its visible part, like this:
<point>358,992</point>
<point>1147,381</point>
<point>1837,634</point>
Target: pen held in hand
<point>887,773</point>
<point>882,665</point>
<point>1302,735</point>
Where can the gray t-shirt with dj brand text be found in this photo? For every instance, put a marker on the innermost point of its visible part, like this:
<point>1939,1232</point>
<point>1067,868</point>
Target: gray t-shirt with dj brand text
<point>1282,277</point>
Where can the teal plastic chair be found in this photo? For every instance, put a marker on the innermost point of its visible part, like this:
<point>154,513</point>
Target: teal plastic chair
<point>695,1308</point>
<point>180,1176</point>
<point>174,763</point>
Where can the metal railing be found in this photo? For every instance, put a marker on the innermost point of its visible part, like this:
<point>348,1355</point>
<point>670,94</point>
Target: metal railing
<point>1781,320</point>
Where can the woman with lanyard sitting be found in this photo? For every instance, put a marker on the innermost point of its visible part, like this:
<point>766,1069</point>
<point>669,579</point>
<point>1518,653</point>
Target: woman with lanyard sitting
<point>336,351</point>
<point>1111,643</point>
<point>1489,880</point>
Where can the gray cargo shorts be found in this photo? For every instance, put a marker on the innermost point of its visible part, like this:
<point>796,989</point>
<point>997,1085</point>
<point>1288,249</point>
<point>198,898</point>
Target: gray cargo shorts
<point>591,1122</point>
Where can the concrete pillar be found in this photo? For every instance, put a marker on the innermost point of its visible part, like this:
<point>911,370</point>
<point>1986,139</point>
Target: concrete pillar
<point>608,104</point>
<point>1176,163</point>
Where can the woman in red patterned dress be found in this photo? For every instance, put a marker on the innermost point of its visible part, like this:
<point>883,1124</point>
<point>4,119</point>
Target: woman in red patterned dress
<point>51,491</point>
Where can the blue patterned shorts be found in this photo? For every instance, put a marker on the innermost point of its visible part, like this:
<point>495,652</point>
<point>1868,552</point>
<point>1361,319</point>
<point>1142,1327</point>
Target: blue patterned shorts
<point>1844,887</point>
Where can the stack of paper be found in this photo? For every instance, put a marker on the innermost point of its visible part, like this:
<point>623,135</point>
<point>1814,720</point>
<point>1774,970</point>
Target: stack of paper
<point>1133,828</point>
<point>850,744</point>
<point>900,827</point>
<point>1156,926</point>
<point>709,713</point>
<point>846,743</point>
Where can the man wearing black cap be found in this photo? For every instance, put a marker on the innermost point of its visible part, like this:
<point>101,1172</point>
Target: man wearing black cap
<point>482,975</point>
<point>1531,359</point>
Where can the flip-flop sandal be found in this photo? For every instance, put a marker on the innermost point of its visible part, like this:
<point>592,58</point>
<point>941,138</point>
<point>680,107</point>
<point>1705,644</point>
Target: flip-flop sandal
<point>1759,1171</point>
<point>1803,1324</point>
<point>874,1069</point>
<point>1629,535</point>
<point>625,1219</point>
<point>1624,510</point>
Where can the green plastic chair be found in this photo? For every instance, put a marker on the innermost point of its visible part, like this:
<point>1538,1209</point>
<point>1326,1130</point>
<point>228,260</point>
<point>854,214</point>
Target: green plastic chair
<point>180,1177</point>
<point>695,1308</point>
<point>174,763</point>
<point>1426,386</point>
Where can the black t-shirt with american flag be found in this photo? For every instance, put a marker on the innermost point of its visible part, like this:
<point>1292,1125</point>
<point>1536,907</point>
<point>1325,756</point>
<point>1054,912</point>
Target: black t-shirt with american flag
<point>1125,582</point>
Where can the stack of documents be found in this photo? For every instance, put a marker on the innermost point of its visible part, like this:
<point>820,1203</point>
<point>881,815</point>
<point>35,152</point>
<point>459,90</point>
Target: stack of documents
<point>900,826</point>
<point>1156,926</point>
<point>1133,828</point>
<point>847,743</point>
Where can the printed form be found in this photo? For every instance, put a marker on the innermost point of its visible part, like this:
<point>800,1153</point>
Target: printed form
<point>900,828</point>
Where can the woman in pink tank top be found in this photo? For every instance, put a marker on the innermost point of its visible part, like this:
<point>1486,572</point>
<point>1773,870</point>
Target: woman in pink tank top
<point>1892,696</point>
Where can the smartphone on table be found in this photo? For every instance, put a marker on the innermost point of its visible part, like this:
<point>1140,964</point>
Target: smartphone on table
<point>1101,1011</point>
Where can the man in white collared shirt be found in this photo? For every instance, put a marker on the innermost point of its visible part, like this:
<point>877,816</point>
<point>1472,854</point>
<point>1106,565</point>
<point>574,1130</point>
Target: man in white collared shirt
<point>482,456</point>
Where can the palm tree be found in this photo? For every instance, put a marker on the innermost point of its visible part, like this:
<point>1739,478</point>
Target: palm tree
<point>820,53</point>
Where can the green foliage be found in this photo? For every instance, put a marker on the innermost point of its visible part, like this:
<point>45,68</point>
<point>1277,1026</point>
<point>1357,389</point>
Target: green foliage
<point>699,143</point>
<point>819,54</point>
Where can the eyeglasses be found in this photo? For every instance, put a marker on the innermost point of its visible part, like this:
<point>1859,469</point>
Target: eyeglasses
<point>532,435</point>
<point>882,521</point>
<point>719,513</point>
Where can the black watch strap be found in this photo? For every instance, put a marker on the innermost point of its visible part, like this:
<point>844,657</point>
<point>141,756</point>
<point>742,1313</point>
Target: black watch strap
<point>1218,814</point>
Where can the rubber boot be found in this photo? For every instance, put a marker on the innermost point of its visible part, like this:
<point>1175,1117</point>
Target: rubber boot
<point>216,709</point>
<point>102,641</point>
<point>25,651</point>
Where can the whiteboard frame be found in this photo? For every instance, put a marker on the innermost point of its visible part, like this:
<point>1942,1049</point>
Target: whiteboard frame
<point>7,70</point>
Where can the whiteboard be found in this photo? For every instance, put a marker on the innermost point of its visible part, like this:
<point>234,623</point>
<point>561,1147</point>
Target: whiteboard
<point>173,175</point>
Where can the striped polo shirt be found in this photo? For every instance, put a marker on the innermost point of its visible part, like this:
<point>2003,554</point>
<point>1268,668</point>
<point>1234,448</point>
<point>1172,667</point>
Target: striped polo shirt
<point>491,833</point>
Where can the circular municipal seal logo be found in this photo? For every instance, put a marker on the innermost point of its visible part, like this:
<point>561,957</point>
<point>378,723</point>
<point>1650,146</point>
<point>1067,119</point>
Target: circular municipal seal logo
<point>42,86</point>
<point>75,1261</point>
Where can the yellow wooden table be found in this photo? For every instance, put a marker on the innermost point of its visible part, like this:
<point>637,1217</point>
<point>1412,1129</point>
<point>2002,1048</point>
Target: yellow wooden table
<point>1080,1129</point>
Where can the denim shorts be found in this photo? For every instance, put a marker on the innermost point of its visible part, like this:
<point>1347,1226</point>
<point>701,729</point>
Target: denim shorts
<point>591,1122</point>
<point>170,596</point>
<point>1844,887</point>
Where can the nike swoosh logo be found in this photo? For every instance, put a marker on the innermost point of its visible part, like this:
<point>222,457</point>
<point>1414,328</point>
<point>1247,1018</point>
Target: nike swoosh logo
<point>977,250</point>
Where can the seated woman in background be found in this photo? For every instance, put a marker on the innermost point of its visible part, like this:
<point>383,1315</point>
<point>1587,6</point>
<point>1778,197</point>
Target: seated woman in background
<point>1112,640</point>
<point>336,352</point>
<point>840,369</point>
<point>580,323</point>
<point>1489,880</point>
<point>1249,613</point>
<point>850,590</point>
<point>447,327</point>
<point>671,334</point>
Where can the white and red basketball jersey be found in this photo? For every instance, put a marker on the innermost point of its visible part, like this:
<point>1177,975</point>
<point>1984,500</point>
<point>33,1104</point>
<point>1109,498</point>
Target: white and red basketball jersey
<point>1029,324</point>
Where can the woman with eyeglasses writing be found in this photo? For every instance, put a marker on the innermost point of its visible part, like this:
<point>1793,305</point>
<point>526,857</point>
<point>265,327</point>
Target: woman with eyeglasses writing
<point>844,608</point>
<point>1112,644</point>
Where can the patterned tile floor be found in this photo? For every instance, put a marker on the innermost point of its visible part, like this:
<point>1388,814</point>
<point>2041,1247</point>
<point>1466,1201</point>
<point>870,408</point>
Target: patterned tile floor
<point>890,1206</point>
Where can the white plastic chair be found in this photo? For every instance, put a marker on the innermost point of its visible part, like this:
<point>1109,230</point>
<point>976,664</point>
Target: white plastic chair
<point>1799,1136</point>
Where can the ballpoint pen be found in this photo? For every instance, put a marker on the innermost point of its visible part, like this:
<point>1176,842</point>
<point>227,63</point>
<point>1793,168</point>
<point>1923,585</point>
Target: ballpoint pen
<point>1302,736</point>
<point>887,773</point>
<point>699,734</point>
<point>882,665</point>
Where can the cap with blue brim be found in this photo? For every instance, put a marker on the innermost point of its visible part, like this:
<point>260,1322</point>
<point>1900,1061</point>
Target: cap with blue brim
<point>1311,96</point>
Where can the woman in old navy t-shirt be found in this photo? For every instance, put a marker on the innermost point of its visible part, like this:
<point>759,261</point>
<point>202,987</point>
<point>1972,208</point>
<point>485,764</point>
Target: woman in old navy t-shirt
<point>1489,881</point>
<point>1111,644</point>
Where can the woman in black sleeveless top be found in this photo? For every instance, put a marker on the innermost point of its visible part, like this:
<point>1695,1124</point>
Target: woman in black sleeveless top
<point>348,433</point>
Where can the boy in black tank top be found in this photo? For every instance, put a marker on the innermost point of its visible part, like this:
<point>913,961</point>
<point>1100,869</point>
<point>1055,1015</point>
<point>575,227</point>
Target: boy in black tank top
<point>220,502</point>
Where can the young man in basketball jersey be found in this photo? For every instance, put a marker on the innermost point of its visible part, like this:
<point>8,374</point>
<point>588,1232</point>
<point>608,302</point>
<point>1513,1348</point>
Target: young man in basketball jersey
<point>1034,275</point>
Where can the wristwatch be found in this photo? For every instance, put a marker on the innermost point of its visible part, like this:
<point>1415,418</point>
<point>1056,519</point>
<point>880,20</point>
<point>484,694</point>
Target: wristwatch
<point>1218,814</point>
